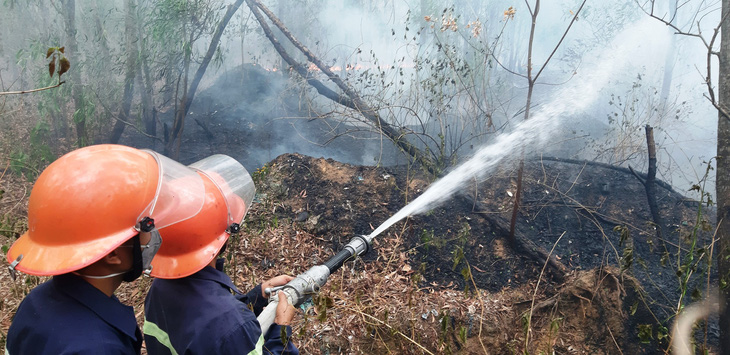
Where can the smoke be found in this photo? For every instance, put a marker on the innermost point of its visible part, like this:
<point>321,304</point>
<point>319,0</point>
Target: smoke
<point>408,63</point>
<point>530,135</point>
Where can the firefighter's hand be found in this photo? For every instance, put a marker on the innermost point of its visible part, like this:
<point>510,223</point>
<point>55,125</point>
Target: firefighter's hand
<point>280,280</point>
<point>284,311</point>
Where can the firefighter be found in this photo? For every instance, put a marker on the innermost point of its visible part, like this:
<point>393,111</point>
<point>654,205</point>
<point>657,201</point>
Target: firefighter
<point>193,307</point>
<point>93,216</point>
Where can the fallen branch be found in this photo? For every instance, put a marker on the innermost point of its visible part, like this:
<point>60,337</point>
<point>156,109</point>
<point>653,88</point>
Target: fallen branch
<point>522,244</point>
<point>603,165</point>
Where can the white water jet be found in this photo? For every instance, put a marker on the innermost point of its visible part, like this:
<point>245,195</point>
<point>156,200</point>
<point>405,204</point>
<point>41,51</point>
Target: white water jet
<point>530,134</point>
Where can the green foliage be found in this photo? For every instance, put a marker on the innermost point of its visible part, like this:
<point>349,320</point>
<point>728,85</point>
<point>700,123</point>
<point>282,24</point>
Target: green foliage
<point>32,162</point>
<point>321,304</point>
<point>646,333</point>
<point>260,174</point>
<point>444,331</point>
<point>458,256</point>
<point>428,239</point>
<point>85,113</point>
<point>627,258</point>
<point>11,228</point>
<point>463,332</point>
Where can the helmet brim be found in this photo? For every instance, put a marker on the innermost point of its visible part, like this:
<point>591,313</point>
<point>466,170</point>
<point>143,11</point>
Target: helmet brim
<point>41,259</point>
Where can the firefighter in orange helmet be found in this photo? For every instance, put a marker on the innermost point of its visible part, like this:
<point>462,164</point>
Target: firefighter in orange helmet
<point>93,220</point>
<point>193,307</point>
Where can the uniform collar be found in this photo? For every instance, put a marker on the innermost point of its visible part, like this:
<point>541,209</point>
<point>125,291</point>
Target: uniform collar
<point>211,274</point>
<point>107,308</point>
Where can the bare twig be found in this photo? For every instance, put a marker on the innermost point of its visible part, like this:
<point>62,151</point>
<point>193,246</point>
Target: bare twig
<point>31,91</point>
<point>534,294</point>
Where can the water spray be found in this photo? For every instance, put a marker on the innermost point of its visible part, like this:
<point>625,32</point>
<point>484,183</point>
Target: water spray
<point>530,133</point>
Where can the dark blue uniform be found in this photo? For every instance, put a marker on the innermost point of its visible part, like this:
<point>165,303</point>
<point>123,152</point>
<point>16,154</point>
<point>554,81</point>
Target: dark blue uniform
<point>204,313</point>
<point>67,315</point>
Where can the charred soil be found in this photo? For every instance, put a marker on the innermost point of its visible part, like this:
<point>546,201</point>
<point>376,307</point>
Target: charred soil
<point>450,281</point>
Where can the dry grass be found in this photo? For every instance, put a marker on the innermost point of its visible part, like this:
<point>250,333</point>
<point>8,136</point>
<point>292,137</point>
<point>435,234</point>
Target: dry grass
<point>382,306</point>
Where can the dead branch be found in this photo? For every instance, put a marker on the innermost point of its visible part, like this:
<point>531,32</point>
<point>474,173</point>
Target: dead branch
<point>604,165</point>
<point>357,103</point>
<point>31,91</point>
<point>649,185</point>
<point>522,244</point>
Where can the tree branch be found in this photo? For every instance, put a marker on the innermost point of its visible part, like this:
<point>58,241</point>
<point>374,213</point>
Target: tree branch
<point>357,103</point>
<point>31,91</point>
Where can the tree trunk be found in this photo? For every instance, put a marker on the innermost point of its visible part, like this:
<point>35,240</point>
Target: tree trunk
<point>649,184</point>
<point>669,60</point>
<point>69,16</point>
<point>723,180</point>
<point>530,88</point>
<point>173,145</point>
<point>130,35</point>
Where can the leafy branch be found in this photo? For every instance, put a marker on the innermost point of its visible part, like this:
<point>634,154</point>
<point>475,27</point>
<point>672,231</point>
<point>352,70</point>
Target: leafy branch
<point>58,64</point>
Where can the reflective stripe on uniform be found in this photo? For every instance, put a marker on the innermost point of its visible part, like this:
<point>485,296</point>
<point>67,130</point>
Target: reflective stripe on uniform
<point>258,350</point>
<point>6,350</point>
<point>153,330</point>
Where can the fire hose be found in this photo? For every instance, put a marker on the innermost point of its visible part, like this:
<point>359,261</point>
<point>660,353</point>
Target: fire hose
<point>304,285</point>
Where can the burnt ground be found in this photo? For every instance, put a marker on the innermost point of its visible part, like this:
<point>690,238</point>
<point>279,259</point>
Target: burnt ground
<point>446,281</point>
<point>599,308</point>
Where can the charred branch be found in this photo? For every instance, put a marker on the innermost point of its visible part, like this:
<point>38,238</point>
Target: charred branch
<point>520,242</point>
<point>607,166</point>
<point>648,183</point>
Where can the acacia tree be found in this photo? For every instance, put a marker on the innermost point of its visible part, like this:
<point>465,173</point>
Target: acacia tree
<point>197,19</point>
<point>130,33</point>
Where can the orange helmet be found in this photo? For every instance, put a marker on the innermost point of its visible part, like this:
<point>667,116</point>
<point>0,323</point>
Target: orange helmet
<point>91,200</point>
<point>190,245</point>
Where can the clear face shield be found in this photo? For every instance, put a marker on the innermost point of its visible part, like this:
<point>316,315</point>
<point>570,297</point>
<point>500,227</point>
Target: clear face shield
<point>180,195</point>
<point>234,182</point>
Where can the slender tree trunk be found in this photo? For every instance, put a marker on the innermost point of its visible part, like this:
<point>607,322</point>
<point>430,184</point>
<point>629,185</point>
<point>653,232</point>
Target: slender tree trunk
<point>130,33</point>
<point>149,110</point>
<point>528,103</point>
<point>189,93</point>
<point>650,185</point>
<point>102,56</point>
<point>69,7</point>
<point>723,181</point>
<point>669,60</point>
<point>531,80</point>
